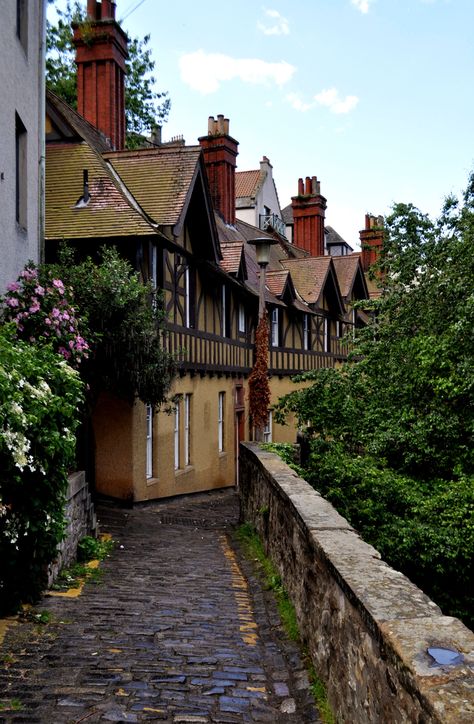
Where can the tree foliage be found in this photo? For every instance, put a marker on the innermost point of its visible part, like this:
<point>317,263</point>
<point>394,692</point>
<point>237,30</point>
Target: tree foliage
<point>124,321</point>
<point>393,429</point>
<point>40,395</point>
<point>144,107</point>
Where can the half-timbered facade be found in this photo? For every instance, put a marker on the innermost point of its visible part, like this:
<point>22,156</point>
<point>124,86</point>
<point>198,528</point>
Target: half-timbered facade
<point>170,209</point>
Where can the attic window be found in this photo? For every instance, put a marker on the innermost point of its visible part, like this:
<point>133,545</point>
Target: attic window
<point>86,197</point>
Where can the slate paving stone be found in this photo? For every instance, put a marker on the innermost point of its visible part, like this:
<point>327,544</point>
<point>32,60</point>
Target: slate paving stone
<point>180,630</point>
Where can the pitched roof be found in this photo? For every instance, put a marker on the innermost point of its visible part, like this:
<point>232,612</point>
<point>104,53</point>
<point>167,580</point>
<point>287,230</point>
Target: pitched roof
<point>246,183</point>
<point>309,275</point>
<point>159,178</point>
<point>66,117</point>
<point>110,212</point>
<point>232,254</point>
<point>287,214</point>
<point>276,281</point>
<point>347,268</point>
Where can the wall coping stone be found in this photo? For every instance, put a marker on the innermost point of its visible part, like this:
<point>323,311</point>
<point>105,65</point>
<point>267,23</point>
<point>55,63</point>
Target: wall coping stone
<point>396,620</point>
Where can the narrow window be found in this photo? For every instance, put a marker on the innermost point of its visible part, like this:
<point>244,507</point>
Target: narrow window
<point>275,330</point>
<point>176,437</point>
<point>153,265</point>
<point>327,345</point>
<point>149,441</point>
<point>267,430</point>
<point>22,22</point>
<point>306,331</point>
<point>187,299</point>
<point>354,322</point>
<point>187,429</point>
<point>20,172</point>
<point>241,317</point>
<point>220,421</point>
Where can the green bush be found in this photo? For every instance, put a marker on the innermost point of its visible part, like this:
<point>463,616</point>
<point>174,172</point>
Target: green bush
<point>39,399</point>
<point>424,529</point>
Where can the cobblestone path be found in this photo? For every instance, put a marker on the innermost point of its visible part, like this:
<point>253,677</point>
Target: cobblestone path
<point>179,630</point>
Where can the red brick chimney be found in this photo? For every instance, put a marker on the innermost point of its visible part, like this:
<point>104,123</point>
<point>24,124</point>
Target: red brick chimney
<point>371,240</point>
<point>220,153</point>
<point>101,51</point>
<point>308,216</point>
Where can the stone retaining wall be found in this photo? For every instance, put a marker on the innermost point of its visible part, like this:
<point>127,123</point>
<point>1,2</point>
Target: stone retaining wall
<point>81,521</point>
<point>367,627</point>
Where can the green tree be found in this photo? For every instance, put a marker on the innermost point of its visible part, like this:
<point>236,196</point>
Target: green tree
<point>144,107</point>
<point>392,431</point>
<point>124,323</point>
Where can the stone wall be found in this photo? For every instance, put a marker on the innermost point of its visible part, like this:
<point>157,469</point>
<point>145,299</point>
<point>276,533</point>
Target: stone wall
<point>81,521</point>
<point>367,627</point>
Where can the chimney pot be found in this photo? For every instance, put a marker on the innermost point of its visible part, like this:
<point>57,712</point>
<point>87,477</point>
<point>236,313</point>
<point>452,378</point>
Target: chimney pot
<point>220,124</point>
<point>309,209</point>
<point>106,10</point>
<point>92,9</point>
<point>308,186</point>
<point>210,125</point>
<point>300,187</point>
<point>226,126</point>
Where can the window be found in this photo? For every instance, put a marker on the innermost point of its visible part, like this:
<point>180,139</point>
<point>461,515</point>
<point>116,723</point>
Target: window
<point>306,331</point>
<point>220,421</point>
<point>22,22</point>
<point>176,437</point>
<point>149,441</point>
<point>225,305</point>
<point>326,339</point>
<point>21,172</point>
<point>339,328</point>
<point>241,317</point>
<point>153,265</point>
<point>275,330</point>
<point>187,299</point>
<point>187,429</point>
<point>267,430</point>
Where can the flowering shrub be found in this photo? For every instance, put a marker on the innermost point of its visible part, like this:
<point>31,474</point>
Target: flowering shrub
<point>42,311</point>
<point>39,399</point>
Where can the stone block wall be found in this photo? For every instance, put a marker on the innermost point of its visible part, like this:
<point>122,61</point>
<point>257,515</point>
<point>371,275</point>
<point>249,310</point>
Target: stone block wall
<point>81,521</point>
<point>367,627</point>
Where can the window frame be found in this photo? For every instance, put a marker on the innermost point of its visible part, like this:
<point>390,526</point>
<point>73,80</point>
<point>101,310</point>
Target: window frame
<point>177,446</point>
<point>187,429</point>
<point>221,422</point>
<point>275,327</point>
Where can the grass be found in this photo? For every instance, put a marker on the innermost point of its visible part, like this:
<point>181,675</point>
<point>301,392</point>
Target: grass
<point>88,549</point>
<point>253,549</point>
<point>11,705</point>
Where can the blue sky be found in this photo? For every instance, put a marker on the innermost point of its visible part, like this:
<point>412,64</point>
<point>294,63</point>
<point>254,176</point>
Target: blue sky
<point>374,97</point>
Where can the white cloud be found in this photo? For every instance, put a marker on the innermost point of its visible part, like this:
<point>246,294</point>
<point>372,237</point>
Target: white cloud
<point>362,5</point>
<point>280,25</point>
<point>329,98</point>
<point>205,72</point>
<point>332,100</point>
<point>298,104</point>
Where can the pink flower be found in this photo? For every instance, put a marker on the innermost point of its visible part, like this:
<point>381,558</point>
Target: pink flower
<point>55,312</point>
<point>29,274</point>
<point>35,306</point>
<point>39,290</point>
<point>65,353</point>
<point>13,287</point>
<point>59,285</point>
<point>12,302</point>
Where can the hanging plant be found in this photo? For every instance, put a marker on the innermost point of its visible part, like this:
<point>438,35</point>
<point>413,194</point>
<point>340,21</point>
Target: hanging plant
<point>259,388</point>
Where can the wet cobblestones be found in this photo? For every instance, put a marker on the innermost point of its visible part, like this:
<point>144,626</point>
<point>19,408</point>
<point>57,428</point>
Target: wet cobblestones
<point>179,630</point>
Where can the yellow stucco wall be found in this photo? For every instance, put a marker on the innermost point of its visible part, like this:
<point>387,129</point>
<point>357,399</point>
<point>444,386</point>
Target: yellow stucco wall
<point>121,448</point>
<point>208,467</point>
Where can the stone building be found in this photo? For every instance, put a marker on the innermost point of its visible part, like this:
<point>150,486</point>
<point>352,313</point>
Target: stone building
<point>22,39</point>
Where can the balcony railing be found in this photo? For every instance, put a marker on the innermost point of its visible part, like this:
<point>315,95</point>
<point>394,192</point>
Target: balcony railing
<point>273,221</point>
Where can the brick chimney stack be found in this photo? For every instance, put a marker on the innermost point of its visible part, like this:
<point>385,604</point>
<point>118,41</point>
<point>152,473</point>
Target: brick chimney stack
<point>309,209</point>
<point>371,240</point>
<point>101,51</point>
<point>220,154</point>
